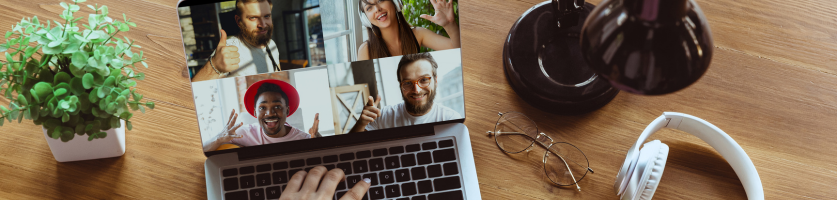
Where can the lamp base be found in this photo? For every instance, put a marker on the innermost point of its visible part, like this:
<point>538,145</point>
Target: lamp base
<point>544,65</point>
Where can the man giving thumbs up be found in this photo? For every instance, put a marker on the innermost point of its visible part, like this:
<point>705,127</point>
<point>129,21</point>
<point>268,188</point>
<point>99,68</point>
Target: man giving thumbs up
<point>417,80</point>
<point>247,52</point>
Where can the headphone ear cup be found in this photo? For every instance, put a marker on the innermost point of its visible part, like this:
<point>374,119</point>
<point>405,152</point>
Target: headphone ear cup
<point>398,5</point>
<point>654,172</point>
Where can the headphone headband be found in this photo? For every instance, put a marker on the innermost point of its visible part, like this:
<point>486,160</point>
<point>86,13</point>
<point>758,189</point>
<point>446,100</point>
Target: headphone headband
<point>715,137</point>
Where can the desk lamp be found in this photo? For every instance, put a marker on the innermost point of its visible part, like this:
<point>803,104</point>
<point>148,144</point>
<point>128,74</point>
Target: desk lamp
<point>647,47</point>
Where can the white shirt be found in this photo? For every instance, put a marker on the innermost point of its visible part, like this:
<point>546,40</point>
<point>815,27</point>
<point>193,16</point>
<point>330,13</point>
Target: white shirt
<point>248,65</point>
<point>397,116</point>
<point>254,135</point>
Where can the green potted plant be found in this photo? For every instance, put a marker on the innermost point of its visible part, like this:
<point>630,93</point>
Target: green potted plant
<point>74,83</point>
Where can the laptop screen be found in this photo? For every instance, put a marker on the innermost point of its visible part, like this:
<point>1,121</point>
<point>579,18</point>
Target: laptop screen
<point>274,71</point>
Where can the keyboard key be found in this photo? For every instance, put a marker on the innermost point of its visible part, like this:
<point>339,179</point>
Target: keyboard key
<point>446,183</point>
<point>376,164</point>
<point>292,172</point>
<point>452,195</point>
<point>376,193</point>
<point>387,177</point>
<point>352,180</point>
<point>392,191</point>
<point>341,185</point>
<point>297,163</point>
<point>263,179</point>
<point>247,170</point>
<point>373,177</point>
<point>418,173</point>
<point>329,167</point>
<point>330,159</point>
<point>247,182</point>
<point>379,152</point>
<point>347,156</point>
<point>450,168</point>
<point>408,189</point>
<point>341,194</point>
<point>405,198</point>
<point>230,184</point>
<point>257,194</point>
<point>425,186</point>
<point>363,154</point>
<point>428,146</point>
<point>263,168</point>
<point>280,177</point>
<point>408,160</point>
<point>434,171</point>
<point>392,162</point>
<point>402,175</point>
<point>280,165</point>
<point>396,150</point>
<point>424,158</point>
<point>445,143</point>
<point>314,161</point>
<point>360,166</point>
<point>273,192</point>
<point>422,197</point>
<point>347,167</point>
<point>236,195</point>
<point>444,155</point>
<point>230,172</point>
<point>413,148</point>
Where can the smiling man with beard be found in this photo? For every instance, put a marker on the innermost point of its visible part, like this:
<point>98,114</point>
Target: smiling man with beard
<point>272,102</point>
<point>417,77</point>
<point>245,53</point>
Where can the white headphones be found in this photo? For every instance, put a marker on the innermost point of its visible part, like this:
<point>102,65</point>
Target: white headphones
<point>365,21</point>
<point>642,170</point>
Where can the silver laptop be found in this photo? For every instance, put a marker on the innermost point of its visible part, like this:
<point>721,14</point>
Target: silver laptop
<point>292,95</point>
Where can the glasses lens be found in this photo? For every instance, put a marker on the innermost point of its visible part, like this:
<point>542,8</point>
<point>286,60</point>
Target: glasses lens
<point>514,132</point>
<point>565,164</point>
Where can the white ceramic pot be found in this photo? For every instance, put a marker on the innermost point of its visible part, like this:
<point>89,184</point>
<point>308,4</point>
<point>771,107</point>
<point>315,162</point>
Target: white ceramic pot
<point>80,149</point>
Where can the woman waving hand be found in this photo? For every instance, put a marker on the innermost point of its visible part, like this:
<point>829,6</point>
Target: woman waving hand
<point>391,35</point>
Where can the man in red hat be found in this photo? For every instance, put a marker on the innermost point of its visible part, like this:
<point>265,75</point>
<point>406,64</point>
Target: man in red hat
<point>271,101</point>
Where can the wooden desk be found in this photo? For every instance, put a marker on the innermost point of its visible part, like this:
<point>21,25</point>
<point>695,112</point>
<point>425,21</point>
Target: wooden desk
<point>772,86</point>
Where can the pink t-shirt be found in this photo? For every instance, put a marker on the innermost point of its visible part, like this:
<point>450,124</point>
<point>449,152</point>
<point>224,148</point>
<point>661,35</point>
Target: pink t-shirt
<point>254,136</point>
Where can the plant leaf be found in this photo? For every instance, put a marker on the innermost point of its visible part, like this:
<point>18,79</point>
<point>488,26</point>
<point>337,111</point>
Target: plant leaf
<point>59,92</point>
<point>142,109</point>
<point>42,89</point>
<point>150,104</point>
<point>128,125</point>
<point>87,81</point>
<point>77,86</point>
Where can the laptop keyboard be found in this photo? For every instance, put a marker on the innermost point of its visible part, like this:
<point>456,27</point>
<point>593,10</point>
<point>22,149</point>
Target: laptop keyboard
<point>421,171</point>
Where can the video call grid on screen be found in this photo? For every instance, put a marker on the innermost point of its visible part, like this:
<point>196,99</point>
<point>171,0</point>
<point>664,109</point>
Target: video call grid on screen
<point>327,83</point>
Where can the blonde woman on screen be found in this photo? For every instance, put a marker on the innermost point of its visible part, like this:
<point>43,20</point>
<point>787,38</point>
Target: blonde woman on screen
<point>391,35</point>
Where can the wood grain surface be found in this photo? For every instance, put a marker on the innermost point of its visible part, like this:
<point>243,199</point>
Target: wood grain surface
<point>772,86</point>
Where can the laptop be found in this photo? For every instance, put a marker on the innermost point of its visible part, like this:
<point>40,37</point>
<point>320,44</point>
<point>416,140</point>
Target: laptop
<point>293,95</point>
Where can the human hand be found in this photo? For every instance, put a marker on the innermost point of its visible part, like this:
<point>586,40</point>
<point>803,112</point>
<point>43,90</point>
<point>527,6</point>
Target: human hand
<point>226,57</point>
<point>444,13</point>
<point>315,128</point>
<point>370,112</point>
<point>304,185</point>
<point>228,133</point>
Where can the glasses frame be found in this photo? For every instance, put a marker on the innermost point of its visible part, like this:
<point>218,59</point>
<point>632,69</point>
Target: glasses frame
<point>546,153</point>
<point>416,82</point>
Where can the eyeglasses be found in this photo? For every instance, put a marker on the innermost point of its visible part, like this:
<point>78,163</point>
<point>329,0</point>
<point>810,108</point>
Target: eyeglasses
<point>563,163</point>
<point>422,82</point>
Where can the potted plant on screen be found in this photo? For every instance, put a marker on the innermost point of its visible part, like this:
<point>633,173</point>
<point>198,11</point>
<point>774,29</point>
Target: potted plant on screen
<point>77,83</point>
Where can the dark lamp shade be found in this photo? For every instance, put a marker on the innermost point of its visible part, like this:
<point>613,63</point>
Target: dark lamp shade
<point>648,47</point>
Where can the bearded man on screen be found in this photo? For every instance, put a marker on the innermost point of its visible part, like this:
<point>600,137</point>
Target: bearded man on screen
<point>417,79</point>
<point>251,51</point>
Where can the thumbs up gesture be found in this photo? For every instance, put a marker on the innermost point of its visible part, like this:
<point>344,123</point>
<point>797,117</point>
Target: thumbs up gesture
<point>370,112</point>
<point>226,58</point>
